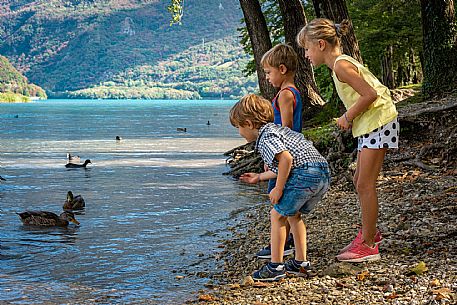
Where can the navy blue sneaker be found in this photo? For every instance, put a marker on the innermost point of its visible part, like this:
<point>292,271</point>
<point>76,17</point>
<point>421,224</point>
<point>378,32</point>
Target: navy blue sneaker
<point>269,273</point>
<point>288,249</point>
<point>298,268</point>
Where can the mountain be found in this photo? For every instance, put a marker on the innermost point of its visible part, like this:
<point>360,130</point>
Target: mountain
<point>14,86</point>
<point>69,46</point>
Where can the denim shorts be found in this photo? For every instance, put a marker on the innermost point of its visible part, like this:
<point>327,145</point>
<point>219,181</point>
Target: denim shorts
<point>304,189</point>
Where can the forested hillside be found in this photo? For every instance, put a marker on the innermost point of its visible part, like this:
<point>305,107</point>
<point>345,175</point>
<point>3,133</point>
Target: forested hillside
<point>14,86</point>
<point>66,46</point>
<point>208,70</point>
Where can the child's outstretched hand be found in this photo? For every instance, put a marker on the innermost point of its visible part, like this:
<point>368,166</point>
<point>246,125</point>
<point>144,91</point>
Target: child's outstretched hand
<point>275,195</point>
<point>250,178</point>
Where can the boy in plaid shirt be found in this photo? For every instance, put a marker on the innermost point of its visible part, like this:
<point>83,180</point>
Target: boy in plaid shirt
<point>302,178</point>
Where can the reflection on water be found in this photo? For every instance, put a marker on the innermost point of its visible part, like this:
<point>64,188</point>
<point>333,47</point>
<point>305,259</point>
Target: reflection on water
<point>155,201</point>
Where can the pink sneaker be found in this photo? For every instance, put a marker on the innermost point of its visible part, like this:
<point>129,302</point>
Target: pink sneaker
<point>358,239</point>
<point>360,252</point>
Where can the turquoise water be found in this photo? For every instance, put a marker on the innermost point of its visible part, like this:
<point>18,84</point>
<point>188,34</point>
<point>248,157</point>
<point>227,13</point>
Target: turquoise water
<point>156,202</point>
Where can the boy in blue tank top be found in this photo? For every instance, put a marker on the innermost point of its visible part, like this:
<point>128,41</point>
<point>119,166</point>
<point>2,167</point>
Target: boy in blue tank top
<point>280,64</point>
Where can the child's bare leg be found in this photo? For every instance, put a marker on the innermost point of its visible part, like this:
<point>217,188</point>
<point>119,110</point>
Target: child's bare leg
<point>369,166</point>
<point>288,229</point>
<point>299,230</point>
<point>278,236</point>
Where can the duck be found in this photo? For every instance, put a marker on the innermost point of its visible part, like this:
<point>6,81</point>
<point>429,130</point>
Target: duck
<point>73,159</point>
<point>183,129</point>
<point>74,203</point>
<point>47,219</point>
<point>1,178</point>
<point>73,165</point>
<point>208,123</point>
<point>118,138</point>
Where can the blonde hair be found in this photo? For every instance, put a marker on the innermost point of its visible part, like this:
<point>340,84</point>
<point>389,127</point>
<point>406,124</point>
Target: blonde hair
<point>253,108</point>
<point>281,54</point>
<point>325,29</point>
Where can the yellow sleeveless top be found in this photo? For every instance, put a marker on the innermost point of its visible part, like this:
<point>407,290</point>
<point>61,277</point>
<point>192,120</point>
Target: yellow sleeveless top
<point>379,113</point>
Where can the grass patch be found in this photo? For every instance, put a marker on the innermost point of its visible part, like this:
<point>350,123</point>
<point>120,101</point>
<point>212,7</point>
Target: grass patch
<point>322,136</point>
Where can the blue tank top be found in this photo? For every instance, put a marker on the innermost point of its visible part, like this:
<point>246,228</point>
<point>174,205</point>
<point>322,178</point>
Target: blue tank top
<point>297,109</point>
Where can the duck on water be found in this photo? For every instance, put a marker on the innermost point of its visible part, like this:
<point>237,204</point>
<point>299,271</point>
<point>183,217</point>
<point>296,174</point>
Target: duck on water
<point>73,165</point>
<point>74,202</point>
<point>47,219</point>
<point>73,159</point>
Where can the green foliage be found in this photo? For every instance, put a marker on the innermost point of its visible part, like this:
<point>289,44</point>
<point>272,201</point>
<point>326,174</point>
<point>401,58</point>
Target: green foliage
<point>379,24</point>
<point>15,85</point>
<point>10,97</point>
<point>176,9</point>
<point>322,135</point>
<point>208,70</point>
<point>76,45</point>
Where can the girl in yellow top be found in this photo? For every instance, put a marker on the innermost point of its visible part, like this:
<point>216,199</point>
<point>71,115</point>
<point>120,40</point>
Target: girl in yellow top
<point>370,114</point>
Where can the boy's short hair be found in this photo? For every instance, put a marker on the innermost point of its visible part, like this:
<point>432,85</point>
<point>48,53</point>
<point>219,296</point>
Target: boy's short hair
<point>253,108</point>
<point>281,54</point>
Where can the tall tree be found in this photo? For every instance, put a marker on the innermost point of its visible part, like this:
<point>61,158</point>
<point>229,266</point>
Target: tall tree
<point>390,37</point>
<point>260,41</point>
<point>293,17</point>
<point>337,11</point>
<point>440,46</point>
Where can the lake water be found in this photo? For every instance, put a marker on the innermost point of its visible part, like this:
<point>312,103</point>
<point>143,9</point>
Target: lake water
<point>156,202</point>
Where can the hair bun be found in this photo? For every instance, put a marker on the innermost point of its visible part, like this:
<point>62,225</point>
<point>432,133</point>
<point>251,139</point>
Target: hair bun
<point>342,28</point>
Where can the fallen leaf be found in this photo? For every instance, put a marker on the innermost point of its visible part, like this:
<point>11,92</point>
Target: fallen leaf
<point>362,275</point>
<point>261,284</point>
<point>441,296</point>
<point>435,283</point>
<point>441,290</point>
<point>206,297</point>
<point>419,269</point>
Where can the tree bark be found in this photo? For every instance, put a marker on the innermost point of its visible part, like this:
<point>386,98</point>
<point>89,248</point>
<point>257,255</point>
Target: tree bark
<point>387,68</point>
<point>260,41</point>
<point>294,19</point>
<point>336,10</point>
<point>440,46</point>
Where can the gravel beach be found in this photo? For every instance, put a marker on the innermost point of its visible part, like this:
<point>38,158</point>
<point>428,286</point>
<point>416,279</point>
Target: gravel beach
<point>418,220</point>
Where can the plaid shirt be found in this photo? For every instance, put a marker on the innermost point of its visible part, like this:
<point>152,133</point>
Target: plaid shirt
<point>274,139</point>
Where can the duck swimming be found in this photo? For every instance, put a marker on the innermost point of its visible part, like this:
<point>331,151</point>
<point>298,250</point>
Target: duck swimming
<point>1,178</point>
<point>73,159</point>
<point>73,165</point>
<point>47,219</point>
<point>74,203</point>
<point>182,129</point>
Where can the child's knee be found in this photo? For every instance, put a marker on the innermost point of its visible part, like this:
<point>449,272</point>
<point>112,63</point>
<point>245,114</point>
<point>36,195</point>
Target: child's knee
<point>275,216</point>
<point>294,219</point>
<point>364,186</point>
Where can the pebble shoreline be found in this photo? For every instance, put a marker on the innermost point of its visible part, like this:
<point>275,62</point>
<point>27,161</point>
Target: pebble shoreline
<point>418,218</point>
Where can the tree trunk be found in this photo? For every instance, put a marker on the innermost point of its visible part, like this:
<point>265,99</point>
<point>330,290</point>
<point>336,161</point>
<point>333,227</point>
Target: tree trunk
<point>336,10</point>
<point>387,68</point>
<point>260,41</point>
<point>440,46</point>
<point>400,77</point>
<point>293,17</point>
